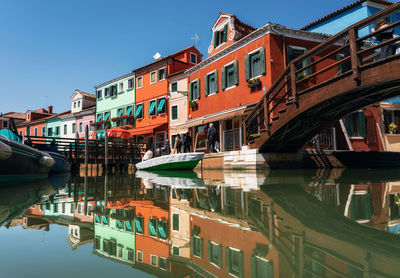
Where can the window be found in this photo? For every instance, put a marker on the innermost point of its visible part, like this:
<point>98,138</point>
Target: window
<point>174,86</point>
<point>197,246</point>
<point>152,108</point>
<point>139,225</point>
<point>175,222</point>
<point>161,107</point>
<point>112,248</point>
<point>80,127</point>
<point>152,227</point>
<point>107,92</point>
<point>139,256</point>
<point>79,208</point>
<point>130,254</point>
<point>36,133</point>
<point>391,121</point>
<point>43,131</point>
<point>229,75</point>
<point>234,262</point>
<point>20,133</point>
<point>211,83</point>
<point>120,251</point>
<point>130,83</point>
<point>360,206</point>
<point>153,77</point>
<point>73,128</point>
<point>113,90</point>
<point>163,263</point>
<point>79,103</point>
<point>139,111</point>
<point>162,74</point>
<point>139,82</point>
<point>292,53</point>
<point>57,130</point>
<point>99,94</point>
<point>261,267</point>
<point>5,124</point>
<point>175,250</point>
<point>74,104</point>
<point>65,129</point>
<point>97,242</point>
<point>72,209</point>
<point>29,116</point>
<point>215,253</point>
<point>193,58</point>
<point>254,64</point>
<point>355,124</point>
<point>174,112</point>
<point>153,260</point>
<point>194,90</point>
<point>28,131</point>
<point>121,87</point>
<point>220,36</point>
<point>63,208</point>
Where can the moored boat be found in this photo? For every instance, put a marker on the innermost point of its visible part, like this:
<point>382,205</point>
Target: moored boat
<point>61,164</point>
<point>180,161</point>
<point>22,162</point>
<point>172,179</point>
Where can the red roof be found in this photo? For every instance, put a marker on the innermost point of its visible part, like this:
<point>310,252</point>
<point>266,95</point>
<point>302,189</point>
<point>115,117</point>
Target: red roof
<point>332,14</point>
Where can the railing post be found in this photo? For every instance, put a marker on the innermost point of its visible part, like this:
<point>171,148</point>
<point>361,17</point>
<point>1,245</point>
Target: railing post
<point>293,83</point>
<point>266,113</point>
<point>355,61</point>
<point>244,133</point>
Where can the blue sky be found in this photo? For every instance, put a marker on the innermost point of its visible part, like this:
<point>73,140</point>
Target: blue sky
<point>50,48</point>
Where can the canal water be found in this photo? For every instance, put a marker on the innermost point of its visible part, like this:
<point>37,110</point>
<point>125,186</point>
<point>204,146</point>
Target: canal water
<point>302,223</point>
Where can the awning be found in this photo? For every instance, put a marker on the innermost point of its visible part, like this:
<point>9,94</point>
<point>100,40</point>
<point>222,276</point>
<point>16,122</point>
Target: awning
<point>129,110</point>
<point>146,129</point>
<point>161,105</point>
<point>153,231</point>
<point>98,117</point>
<point>152,106</point>
<point>120,111</point>
<point>212,118</point>
<point>138,226</point>
<point>138,109</point>
<point>106,116</point>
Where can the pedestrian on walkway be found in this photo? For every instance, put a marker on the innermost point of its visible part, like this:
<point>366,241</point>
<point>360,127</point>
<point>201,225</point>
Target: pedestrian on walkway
<point>212,137</point>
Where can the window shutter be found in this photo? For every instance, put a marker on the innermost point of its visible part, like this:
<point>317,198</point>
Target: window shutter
<point>159,74</point>
<point>220,255</point>
<point>110,91</point>
<point>235,72</point>
<point>206,93</point>
<point>148,107</point>
<point>366,199</point>
<point>209,251</point>
<point>253,266</point>
<point>190,92</point>
<point>241,266</point>
<point>262,60</point>
<point>348,125</point>
<point>307,61</point>
<point>215,39</point>
<point>216,81</point>
<point>228,259</point>
<point>192,246</point>
<point>201,247</point>
<point>223,78</point>
<point>289,55</point>
<point>246,67</point>
<point>198,89</point>
<point>225,32</point>
<point>361,124</point>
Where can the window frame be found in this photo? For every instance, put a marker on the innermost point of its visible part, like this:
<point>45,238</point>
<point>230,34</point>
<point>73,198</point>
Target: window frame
<point>191,84</point>
<point>120,87</point>
<point>174,82</point>
<point>151,260</point>
<point>173,222</point>
<point>137,82</point>
<point>43,131</point>
<point>106,92</point>
<point>207,90</point>
<point>192,54</point>
<point>137,256</point>
<point>99,94</point>
<point>226,66</point>
<point>164,75</point>
<point>154,113</point>
<point>177,112</point>
<point>165,106</point>
<point>263,71</point>
<point>130,80</point>
<point>155,78</point>
<point>142,113</point>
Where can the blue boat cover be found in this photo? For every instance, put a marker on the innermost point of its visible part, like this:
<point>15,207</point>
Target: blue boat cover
<point>10,135</point>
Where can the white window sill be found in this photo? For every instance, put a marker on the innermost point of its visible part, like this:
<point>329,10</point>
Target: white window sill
<point>357,137</point>
<point>255,77</point>
<point>211,94</point>
<point>139,87</point>
<point>231,87</point>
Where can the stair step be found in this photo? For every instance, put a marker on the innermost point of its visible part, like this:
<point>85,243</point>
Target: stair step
<point>282,111</point>
<point>275,118</point>
<point>290,103</point>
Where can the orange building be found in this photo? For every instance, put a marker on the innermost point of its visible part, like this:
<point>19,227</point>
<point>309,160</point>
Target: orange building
<point>242,65</point>
<point>152,85</point>
<point>35,122</point>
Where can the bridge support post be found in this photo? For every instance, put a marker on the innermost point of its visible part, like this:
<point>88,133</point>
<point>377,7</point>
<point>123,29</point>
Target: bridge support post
<point>293,83</point>
<point>355,61</point>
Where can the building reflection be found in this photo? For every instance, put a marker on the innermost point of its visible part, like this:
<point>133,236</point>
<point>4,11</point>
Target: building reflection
<point>230,224</point>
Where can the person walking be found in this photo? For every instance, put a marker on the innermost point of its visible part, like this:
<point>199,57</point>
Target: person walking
<point>389,49</point>
<point>212,137</point>
<point>178,143</point>
<point>187,142</point>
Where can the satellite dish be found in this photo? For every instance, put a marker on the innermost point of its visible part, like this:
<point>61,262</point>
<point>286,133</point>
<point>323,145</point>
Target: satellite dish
<point>157,56</point>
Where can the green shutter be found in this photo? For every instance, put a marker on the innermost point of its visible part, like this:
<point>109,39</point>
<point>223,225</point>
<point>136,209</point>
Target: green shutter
<point>190,92</point>
<point>223,78</point>
<point>246,68</point>
<point>192,245</point>
<point>206,93</point>
<point>201,247</point>
<point>361,124</point>
<point>241,265</point>
<point>198,89</point>
<point>216,81</point>
<point>220,255</point>
<point>159,75</point>
<point>110,92</point>
<point>236,72</point>
<point>262,60</point>
<point>209,251</point>
<point>225,32</point>
<point>366,200</point>
<point>228,259</point>
<point>216,38</point>
<point>306,62</point>
<point>348,125</point>
<point>253,266</point>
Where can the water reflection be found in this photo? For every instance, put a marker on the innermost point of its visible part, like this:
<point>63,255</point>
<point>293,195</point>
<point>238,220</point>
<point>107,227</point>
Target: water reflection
<point>227,223</point>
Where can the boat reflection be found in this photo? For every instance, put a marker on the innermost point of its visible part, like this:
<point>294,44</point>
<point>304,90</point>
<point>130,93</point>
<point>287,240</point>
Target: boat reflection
<point>247,224</point>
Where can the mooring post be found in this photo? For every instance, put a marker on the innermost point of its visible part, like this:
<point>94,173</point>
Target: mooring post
<point>106,150</point>
<point>86,149</point>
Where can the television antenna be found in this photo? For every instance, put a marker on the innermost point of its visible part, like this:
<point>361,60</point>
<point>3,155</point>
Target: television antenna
<point>196,39</point>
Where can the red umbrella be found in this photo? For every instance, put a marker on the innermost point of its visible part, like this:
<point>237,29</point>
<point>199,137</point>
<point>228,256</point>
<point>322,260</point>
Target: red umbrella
<point>118,132</point>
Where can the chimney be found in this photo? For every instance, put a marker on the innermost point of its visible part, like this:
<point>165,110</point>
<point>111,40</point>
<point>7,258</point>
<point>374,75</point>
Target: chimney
<point>50,109</point>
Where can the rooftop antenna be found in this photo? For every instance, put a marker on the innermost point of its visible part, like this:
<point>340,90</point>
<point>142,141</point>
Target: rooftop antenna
<point>196,39</point>
<point>157,56</point>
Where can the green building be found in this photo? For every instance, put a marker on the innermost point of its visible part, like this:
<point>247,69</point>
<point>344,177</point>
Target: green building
<point>115,101</point>
<point>114,234</point>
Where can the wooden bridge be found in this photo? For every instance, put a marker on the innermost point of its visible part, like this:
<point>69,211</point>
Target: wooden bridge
<point>347,72</point>
<point>108,152</point>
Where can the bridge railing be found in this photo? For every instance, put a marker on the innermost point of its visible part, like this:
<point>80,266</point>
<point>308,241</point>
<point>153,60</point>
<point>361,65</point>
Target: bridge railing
<point>342,55</point>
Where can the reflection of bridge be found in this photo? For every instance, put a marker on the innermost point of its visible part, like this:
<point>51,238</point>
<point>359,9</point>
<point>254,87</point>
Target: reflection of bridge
<point>309,96</point>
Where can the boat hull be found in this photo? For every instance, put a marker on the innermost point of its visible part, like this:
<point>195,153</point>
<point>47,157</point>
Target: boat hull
<point>61,164</point>
<point>368,159</point>
<point>185,161</point>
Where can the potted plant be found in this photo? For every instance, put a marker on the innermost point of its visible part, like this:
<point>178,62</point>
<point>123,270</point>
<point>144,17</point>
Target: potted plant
<point>392,128</point>
<point>254,82</point>
<point>193,104</point>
